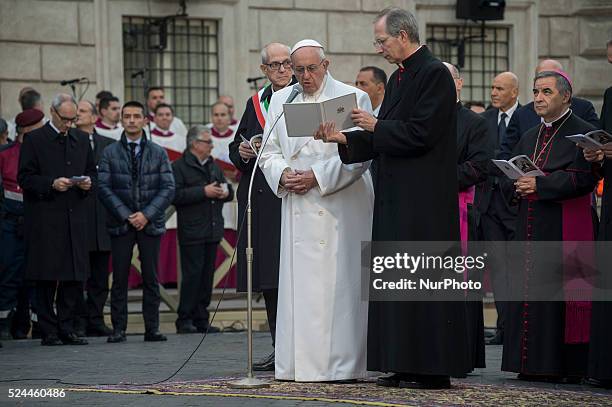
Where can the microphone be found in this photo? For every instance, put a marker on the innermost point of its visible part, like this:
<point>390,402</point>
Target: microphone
<point>297,89</point>
<point>71,81</point>
<point>139,73</point>
<point>255,79</point>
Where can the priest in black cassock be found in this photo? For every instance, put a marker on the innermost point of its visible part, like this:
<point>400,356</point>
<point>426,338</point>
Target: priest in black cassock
<point>600,350</point>
<point>474,151</point>
<point>265,205</point>
<point>414,139</point>
<point>549,340</point>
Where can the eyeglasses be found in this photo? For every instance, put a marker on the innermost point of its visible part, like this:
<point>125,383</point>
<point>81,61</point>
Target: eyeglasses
<point>380,42</point>
<point>204,141</point>
<point>275,66</point>
<point>65,119</point>
<point>300,70</point>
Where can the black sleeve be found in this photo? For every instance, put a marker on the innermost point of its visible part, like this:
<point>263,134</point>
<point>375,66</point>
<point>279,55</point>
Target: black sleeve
<point>245,121</point>
<point>358,148</point>
<point>183,194</point>
<point>474,168</point>
<point>576,180</point>
<point>28,176</point>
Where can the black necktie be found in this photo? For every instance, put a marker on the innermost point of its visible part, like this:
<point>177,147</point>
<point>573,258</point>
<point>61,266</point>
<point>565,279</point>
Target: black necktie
<point>134,160</point>
<point>501,129</point>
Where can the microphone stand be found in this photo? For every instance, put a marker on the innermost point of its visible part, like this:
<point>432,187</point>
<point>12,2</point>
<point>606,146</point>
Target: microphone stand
<point>251,382</point>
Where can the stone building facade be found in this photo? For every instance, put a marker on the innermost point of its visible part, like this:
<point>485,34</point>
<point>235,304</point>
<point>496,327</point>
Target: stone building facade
<point>45,41</point>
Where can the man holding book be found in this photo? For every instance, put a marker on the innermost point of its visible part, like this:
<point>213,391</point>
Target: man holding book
<point>549,340</point>
<point>326,213</point>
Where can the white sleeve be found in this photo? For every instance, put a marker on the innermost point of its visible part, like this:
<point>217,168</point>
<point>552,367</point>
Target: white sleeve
<point>272,162</point>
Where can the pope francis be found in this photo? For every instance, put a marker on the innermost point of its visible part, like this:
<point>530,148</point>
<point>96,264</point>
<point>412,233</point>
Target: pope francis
<point>326,213</point>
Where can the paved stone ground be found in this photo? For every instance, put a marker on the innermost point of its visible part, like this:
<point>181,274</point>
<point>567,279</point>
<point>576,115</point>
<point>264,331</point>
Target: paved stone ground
<point>136,361</point>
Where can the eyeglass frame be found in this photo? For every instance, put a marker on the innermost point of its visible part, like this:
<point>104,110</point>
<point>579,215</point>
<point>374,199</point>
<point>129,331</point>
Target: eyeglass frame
<point>285,64</point>
<point>310,68</point>
<point>209,142</point>
<point>65,119</point>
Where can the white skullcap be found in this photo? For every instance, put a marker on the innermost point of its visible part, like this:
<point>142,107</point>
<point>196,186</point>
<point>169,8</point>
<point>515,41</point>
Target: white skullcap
<point>305,43</point>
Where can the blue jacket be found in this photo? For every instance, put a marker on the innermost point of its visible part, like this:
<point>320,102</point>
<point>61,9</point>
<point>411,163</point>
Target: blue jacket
<point>151,194</point>
<point>525,118</point>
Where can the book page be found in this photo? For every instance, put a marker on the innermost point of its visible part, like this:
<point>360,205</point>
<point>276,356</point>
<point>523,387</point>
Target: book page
<point>302,119</point>
<point>339,109</point>
<point>584,141</point>
<point>526,166</point>
<point>508,169</point>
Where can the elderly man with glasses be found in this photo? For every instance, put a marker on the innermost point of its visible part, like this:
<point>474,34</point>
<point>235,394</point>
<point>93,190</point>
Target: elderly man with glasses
<point>201,191</point>
<point>57,172</point>
<point>326,213</point>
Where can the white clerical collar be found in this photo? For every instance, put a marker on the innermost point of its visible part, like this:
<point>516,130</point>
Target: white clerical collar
<point>553,122</point>
<point>318,92</point>
<point>54,128</point>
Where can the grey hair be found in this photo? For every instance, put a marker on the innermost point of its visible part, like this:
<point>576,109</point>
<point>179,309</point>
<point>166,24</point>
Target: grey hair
<point>60,99</point>
<point>563,85</point>
<point>92,106</point>
<point>194,132</point>
<point>400,20</point>
<point>264,51</point>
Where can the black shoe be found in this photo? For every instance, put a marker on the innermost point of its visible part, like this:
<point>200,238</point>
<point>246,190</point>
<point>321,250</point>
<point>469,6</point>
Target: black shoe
<point>498,339</point>
<point>72,339</point>
<point>154,336</point>
<point>540,378</point>
<point>186,328</point>
<point>393,380</point>
<point>426,382</point>
<point>80,333</point>
<point>101,330</point>
<point>209,329</point>
<point>5,333</point>
<point>51,340</point>
<point>116,337</point>
<point>266,364</point>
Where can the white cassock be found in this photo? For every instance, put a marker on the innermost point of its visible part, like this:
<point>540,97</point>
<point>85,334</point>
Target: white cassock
<point>174,141</point>
<point>321,322</point>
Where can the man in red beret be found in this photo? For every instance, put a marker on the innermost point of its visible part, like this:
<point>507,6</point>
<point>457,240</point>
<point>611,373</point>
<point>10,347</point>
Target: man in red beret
<point>11,239</point>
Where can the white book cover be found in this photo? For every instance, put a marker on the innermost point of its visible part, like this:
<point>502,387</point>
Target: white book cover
<point>593,140</point>
<point>519,166</point>
<point>303,119</point>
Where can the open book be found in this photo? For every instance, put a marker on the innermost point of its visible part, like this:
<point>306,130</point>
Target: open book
<point>254,142</point>
<point>519,166</point>
<point>303,119</point>
<point>593,140</point>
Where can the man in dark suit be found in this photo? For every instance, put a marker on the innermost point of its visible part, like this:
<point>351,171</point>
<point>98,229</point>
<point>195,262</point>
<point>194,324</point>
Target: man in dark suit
<point>526,117</point>
<point>136,186</point>
<point>498,217</point>
<point>57,172</point>
<point>414,139</point>
<point>92,312</point>
<point>266,206</point>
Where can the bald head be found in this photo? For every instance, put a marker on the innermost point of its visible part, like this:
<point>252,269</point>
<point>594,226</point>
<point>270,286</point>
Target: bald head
<point>504,91</point>
<point>456,78</point>
<point>548,65</point>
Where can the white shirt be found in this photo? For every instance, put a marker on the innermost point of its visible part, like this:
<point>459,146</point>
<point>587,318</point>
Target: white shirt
<point>508,112</point>
<point>375,113</point>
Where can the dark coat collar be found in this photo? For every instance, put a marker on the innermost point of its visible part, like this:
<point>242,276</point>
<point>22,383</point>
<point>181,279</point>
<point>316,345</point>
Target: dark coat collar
<point>143,140</point>
<point>55,135</point>
<point>414,62</point>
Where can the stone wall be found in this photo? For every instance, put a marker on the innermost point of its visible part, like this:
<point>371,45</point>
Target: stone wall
<point>42,43</point>
<point>45,41</point>
<point>576,32</point>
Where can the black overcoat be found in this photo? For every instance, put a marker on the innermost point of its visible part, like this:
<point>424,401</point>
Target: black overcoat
<point>55,222</point>
<point>415,142</point>
<point>266,212</point>
<point>99,239</point>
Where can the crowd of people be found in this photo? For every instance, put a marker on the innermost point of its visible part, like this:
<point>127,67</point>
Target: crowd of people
<point>95,179</point>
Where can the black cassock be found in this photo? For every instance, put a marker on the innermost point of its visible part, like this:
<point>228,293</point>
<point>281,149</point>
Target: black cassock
<point>415,142</point>
<point>535,341</point>
<point>56,229</point>
<point>600,360</point>
<point>266,211</point>
<point>474,151</point>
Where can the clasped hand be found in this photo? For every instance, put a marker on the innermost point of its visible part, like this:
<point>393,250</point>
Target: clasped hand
<point>298,182</point>
<point>62,184</point>
<point>525,185</point>
<point>215,191</point>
